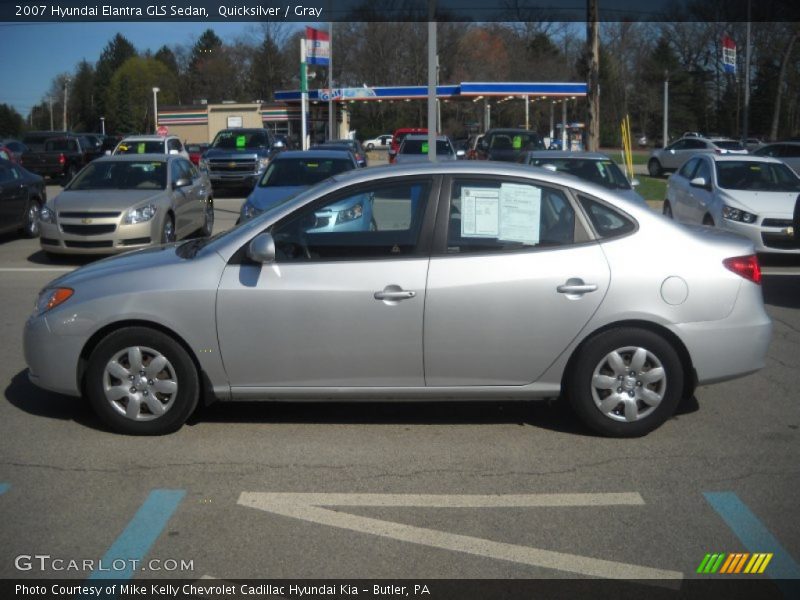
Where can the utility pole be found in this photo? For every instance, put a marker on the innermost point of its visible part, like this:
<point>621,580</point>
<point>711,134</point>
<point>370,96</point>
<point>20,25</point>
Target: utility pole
<point>432,63</point>
<point>593,96</point>
<point>747,78</point>
<point>666,109</point>
<point>50,101</point>
<point>331,106</point>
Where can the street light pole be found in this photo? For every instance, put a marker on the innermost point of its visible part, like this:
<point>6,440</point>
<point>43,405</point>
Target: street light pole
<point>50,101</point>
<point>666,109</point>
<point>103,125</point>
<point>155,107</point>
<point>66,84</point>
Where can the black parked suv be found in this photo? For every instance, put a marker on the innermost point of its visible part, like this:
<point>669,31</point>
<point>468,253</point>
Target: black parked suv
<point>508,145</point>
<point>238,157</point>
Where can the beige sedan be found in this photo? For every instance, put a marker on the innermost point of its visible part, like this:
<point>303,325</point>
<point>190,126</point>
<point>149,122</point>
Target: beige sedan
<point>120,203</point>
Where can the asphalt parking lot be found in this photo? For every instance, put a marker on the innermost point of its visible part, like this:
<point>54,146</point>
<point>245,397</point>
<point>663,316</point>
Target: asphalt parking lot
<point>510,491</point>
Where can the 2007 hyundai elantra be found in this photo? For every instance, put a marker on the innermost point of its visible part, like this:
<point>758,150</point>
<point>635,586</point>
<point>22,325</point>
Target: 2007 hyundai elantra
<point>476,281</point>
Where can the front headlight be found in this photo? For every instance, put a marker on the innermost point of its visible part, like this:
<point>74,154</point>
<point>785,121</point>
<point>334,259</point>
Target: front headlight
<point>249,211</point>
<point>50,298</point>
<point>735,214</point>
<point>350,214</point>
<point>263,163</point>
<point>47,215</point>
<point>140,215</point>
<point>202,164</point>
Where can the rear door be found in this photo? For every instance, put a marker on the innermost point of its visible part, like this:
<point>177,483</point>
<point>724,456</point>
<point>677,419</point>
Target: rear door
<point>680,190</point>
<point>513,279</point>
<point>13,197</point>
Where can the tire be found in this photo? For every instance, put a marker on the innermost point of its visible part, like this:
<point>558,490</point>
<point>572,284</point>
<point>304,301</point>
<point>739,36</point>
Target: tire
<point>666,210</point>
<point>707,220</point>
<point>131,406</point>
<point>208,222</point>
<point>30,226</point>
<point>634,405</point>
<point>370,146</point>
<point>654,168</point>
<point>168,230</point>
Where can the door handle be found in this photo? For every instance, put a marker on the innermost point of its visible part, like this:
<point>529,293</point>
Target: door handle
<point>394,295</point>
<point>576,286</point>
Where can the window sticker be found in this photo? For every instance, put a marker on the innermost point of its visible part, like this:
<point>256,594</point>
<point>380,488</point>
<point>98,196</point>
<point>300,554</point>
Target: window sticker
<point>140,148</point>
<point>479,212</point>
<point>517,142</point>
<point>424,147</point>
<point>520,213</point>
<point>241,141</point>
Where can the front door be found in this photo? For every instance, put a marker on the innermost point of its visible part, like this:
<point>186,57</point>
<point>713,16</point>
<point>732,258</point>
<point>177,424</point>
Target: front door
<point>342,304</point>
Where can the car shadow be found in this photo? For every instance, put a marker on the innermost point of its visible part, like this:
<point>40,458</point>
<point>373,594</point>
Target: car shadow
<point>75,260</point>
<point>553,415</point>
<point>781,290</point>
<point>25,396</point>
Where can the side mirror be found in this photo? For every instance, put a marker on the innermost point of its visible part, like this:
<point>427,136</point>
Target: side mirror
<point>700,182</point>
<point>635,183</point>
<point>182,182</point>
<point>108,152</point>
<point>262,249</point>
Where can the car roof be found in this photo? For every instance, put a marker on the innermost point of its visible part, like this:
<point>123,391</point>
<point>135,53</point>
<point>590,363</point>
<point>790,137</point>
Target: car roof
<point>567,154</point>
<point>742,158</point>
<point>421,136</point>
<point>151,157</point>
<point>510,130</point>
<point>321,153</point>
<point>147,138</point>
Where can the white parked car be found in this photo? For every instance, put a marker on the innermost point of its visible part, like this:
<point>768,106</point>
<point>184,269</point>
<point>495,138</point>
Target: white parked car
<point>382,141</point>
<point>151,144</point>
<point>750,195</point>
<point>673,156</point>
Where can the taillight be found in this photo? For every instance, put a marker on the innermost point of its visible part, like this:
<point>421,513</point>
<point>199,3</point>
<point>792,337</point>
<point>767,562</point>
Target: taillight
<point>745,266</point>
<point>61,159</point>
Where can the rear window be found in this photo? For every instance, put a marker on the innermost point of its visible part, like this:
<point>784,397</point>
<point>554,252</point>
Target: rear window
<point>421,147</point>
<point>293,172</point>
<point>601,172</point>
<point>514,141</point>
<point>607,222</point>
<point>732,145</point>
<point>146,147</point>
<point>60,145</point>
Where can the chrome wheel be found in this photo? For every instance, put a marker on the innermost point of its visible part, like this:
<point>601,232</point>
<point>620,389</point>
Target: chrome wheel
<point>168,233</point>
<point>628,384</point>
<point>208,224</point>
<point>31,226</point>
<point>140,383</point>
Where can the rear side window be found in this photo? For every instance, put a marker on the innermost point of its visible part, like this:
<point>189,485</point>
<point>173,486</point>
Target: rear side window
<point>505,216</point>
<point>607,222</point>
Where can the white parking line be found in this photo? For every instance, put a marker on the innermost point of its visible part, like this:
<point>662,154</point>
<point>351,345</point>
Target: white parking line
<point>308,507</point>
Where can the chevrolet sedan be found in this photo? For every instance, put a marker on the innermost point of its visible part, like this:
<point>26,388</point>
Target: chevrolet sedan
<point>479,281</point>
<point>124,202</point>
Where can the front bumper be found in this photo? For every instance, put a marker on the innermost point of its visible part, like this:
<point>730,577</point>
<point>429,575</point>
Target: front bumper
<point>101,236</point>
<point>52,359</point>
<point>769,234</point>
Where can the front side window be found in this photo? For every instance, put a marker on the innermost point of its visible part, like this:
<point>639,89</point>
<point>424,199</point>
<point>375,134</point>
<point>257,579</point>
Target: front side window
<point>369,222</point>
<point>703,170</point>
<point>503,216</point>
<point>687,169</point>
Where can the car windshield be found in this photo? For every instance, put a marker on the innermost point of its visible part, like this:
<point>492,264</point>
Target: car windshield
<point>421,147</point>
<point>143,147</point>
<point>729,145</point>
<point>121,175</point>
<point>757,176</point>
<point>603,172</point>
<point>302,171</point>
<point>513,141</point>
<point>239,140</point>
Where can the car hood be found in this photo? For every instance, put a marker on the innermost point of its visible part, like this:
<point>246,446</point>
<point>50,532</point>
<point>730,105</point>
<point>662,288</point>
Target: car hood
<point>763,202</point>
<point>265,197</point>
<point>96,200</point>
<point>128,263</point>
<point>232,152</point>
<point>505,155</point>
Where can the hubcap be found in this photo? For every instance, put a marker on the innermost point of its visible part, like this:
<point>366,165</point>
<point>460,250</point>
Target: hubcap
<point>169,231</point>
<point>140,383</point>
<point>628,384</point>
<point>33,219</point>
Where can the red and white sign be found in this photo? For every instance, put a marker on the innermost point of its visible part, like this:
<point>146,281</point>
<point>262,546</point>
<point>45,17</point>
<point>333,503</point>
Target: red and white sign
<point>318,47</point>
<point>162,130</point>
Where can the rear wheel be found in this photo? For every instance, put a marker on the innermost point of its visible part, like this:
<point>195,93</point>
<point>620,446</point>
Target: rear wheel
<point>708,220</point>
<point>142,382</point>
<point>168,230</point>
<point>654,168</point>
<point>625,382</point>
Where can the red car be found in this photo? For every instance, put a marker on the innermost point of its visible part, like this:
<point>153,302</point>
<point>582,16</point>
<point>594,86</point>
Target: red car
<point>398,137</point>
<point>196,152</point>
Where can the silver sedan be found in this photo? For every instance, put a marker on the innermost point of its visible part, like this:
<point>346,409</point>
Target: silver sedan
<point>479,280</point>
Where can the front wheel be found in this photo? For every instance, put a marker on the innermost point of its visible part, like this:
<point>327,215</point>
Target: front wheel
<point>654,168</point>
<point>168,230</point>
<point>625,382</point>
<point>141,382</point>
<point>30,226</point>
<point>208,219</point>
<point>69,174</point>
<point>370,146</point>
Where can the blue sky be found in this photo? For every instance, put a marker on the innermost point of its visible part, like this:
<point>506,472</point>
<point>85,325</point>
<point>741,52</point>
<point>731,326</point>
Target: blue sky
<point>34,53</point>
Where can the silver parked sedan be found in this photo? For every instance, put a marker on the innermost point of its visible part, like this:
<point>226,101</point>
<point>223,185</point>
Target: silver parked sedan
<point>479,280</point>
<point>124,202</point>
